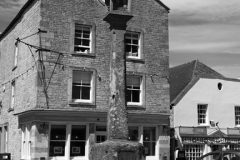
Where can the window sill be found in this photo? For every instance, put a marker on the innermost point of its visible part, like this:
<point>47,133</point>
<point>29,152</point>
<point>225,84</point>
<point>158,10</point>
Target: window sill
<point>203,125</point>
<point>83,54</point>
<point>14,68</point>
<point>135,60</point>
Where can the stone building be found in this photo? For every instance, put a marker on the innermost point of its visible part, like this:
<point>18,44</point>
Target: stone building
<point>205,109</point>
<point>54,78</point>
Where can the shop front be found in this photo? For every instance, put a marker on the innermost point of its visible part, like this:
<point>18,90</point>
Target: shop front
<point>70,134</point>
<point>196,141</point>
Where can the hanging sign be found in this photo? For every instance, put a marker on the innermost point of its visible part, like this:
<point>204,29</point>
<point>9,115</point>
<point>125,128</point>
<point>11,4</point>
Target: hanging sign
<point>210,140</point>
<point>233,131</point>
<point>193,130</point>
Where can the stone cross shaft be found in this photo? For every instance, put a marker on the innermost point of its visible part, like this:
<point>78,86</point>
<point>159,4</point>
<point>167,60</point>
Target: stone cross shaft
<point>117,115</point>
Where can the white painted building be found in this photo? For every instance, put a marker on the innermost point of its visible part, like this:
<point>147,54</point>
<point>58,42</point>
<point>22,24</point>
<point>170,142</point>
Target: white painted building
<point>205,109</point>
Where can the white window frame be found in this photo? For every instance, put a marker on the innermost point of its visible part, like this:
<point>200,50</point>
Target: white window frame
<point>91,88</point>
<point>4,139</point>
<point>130,54</point>
<point>200,107</point>
<point>13,92</point>
<point>195,153</point>
<point>82,38</point>
<point>68,141</point>
<point>26,141</point>
<point>237,116</point>
<point>16,54</point>
<point>140,137</point>
<point>141,90</point>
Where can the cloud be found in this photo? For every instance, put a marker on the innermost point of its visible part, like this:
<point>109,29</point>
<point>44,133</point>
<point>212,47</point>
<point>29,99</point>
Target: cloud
<point>230,71</point>
<point>10,3</point>
<point>189,12</point>
<point>8,10</point>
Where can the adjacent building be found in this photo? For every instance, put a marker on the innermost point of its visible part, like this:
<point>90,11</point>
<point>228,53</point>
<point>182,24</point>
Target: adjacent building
<point>55,74</point>
<point>204,109</point>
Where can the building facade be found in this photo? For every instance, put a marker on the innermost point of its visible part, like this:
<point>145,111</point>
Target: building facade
<point>205,109</point>
<point>55,74</point>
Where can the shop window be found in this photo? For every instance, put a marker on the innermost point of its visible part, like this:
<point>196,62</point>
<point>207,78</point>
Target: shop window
<point>202,114</point>
<point>132,45</point>
<point>237,115</point>
<point>60,145</point>
<point>83,39</point>
<point>101,133</point>
<point>82,86</point>
<point>234,147</point>
<point>193,152</point>
<point>4,139</point>
<point>78,140</point>
<point>133,133</point>
<point>57,140</point>
<point>134,90</point>
<point>26,141</point>
<point>149,138</point>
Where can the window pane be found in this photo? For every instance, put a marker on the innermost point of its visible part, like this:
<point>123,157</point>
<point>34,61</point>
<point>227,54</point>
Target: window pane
<point>77,41</point>
<point>193,152</point>
<point>101,128</point>
<point>133,80</point>
<point>85,93</point>
<point>58,132</point>
<point>128,49</point>
<point>135,35</point>
<point>101,138</point>
<point>128,35</point>
<point>135,49</point>
<point>149,148</point>
<point>86,35</point>
<point>76,92</point>
<point>78,132</point>
<point>135,42</point>
<point>133,133</point>
<point>77,148</point>
<point>133,89</point>
<point>149,134</point>
<point>202,114</point>
<point>85,42</point>
<point>57,148</point>
<point>135,96</point>
<point>237,115</point>
<point>128,95</point>
<point>57,140</point>
<point>78,140</point>
<point>81,77</point>
<point>128,41</point>
<point>149,140</point>
<point>86,29</point>
<point>78,35</point>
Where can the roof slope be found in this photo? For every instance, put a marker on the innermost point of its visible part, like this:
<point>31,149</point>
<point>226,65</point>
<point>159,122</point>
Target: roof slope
<point>184,76</point>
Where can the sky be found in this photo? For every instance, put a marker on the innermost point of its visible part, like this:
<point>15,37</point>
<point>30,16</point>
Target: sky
<point>207,30</point>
